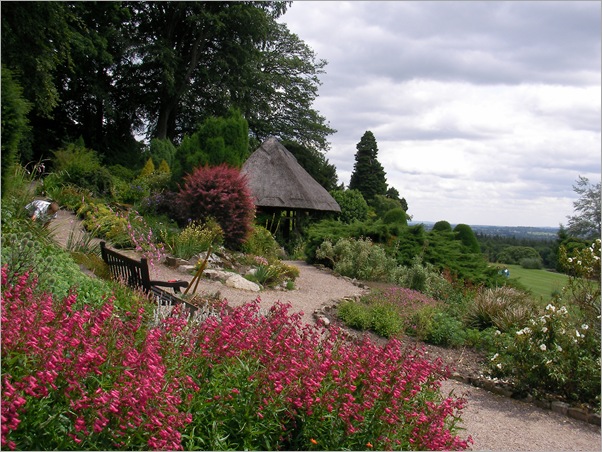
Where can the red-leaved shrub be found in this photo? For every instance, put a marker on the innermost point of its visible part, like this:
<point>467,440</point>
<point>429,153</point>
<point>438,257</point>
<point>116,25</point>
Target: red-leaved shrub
<point>220,192</point>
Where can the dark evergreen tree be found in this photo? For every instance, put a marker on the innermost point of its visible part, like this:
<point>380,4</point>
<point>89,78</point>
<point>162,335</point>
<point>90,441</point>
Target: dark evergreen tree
<point>368,174</point>
<point>14,122</point>
<point>216,141</point>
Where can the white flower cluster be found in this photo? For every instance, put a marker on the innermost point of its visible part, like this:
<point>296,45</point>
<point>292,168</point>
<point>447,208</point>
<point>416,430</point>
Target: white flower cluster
<point>552,308</point>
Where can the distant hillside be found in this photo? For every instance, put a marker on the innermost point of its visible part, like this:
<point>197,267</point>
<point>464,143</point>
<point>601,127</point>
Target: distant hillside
<point>519,232</point>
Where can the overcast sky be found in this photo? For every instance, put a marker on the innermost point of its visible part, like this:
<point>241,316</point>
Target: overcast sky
<point>485,113</point>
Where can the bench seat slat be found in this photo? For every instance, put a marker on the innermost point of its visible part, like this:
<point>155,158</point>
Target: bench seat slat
<point>135,273</point>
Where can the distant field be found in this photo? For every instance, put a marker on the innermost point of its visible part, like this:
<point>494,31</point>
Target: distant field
<point>541,282</point>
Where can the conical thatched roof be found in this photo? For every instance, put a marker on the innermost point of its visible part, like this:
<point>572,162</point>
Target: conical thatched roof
<point>276,179</point>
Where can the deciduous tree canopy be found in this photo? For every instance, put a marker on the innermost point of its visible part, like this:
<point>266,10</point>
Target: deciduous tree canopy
<point>586,222</point>
<point>111,72</point>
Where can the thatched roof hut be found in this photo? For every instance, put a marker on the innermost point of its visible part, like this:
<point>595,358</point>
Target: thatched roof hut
<point>278,181</point>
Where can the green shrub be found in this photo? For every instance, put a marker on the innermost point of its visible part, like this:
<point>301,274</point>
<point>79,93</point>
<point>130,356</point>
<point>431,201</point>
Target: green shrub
<point>353,205</point>
<point>54,268</point>
<point>274,273</point>
<point>396,216</point>
<point>485,340</point>
<point>103,222</point>
<point>381,204</point>
<point>266,275</point>
<point>261,242</point>
<point>123,173</point>
<point>70,197</point>
<point>359,259</point>
<point>422,277</point>
<point>446,331</point>
<point>355,315</point>
<point>442,226</point>
<point>386,321</point>
<point>80,166</point>
<point>419,320</point>
<point>162,150</point>
<point>129,192</point>
<point>391,312</point>
<point>217,141</point>
<point>465,234</point>
<point>384,235</point>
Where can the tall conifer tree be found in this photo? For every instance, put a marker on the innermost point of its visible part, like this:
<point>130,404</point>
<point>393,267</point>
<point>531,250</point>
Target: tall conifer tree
<point>368,174</point>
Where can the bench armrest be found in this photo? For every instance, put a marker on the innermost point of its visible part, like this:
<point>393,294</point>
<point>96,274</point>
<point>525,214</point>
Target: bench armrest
<point>175,285</point>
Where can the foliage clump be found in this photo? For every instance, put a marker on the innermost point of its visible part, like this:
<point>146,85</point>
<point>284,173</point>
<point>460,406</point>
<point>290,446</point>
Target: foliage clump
<point>357,258</point>
<point>80,166</point>
<point>353,205</point>
<point>502,307</point>
<point>442,226</point>
<point>221,193</point>
<point>388,312</point>
<point>261,242</point>
<point>195,238</point>
<point>465,234</point>
<point>396,216</point>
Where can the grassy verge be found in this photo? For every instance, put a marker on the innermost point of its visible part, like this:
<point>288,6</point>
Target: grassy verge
<point>542,283</point>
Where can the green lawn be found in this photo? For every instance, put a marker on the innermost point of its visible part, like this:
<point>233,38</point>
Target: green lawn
<point>541,282</point>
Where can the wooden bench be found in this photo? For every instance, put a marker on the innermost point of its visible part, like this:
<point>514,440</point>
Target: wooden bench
<point>136,275</point>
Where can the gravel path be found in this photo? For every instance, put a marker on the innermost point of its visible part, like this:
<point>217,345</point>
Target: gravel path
<point>496,423</point>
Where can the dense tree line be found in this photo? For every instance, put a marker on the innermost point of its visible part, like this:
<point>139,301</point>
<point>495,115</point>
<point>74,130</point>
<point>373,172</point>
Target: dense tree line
<point>497,248</point>
<point>112,72</point>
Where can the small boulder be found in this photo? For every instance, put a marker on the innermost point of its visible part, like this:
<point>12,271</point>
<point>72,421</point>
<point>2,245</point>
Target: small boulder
<point>175,262</point>
<point>238,282</point>
<point>216,275</point>
<point>188,269</point>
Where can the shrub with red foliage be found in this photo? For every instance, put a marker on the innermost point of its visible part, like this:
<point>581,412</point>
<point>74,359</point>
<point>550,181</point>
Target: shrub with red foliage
<point>220,192</point>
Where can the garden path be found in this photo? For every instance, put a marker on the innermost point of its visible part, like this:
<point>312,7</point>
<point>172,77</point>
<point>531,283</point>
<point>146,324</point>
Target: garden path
<point>496,423</point>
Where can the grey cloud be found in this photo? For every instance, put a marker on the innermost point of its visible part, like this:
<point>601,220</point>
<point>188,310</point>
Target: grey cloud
<point>523,109</point>
<point>484,42</point>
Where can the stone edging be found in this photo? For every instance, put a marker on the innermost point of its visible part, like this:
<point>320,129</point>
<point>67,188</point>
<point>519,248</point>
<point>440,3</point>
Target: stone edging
<point>555,406</point>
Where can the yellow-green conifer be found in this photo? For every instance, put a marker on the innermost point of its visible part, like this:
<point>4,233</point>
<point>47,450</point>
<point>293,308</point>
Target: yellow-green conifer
<point>148,169</point>
<point>164,167</point>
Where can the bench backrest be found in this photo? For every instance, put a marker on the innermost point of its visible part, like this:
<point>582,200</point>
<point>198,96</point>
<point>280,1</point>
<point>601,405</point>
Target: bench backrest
<point>132,272</point>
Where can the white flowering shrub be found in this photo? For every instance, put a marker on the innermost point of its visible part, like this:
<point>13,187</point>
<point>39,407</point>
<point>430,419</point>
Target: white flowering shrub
<point>583,288</point>
<point>554,354</point>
